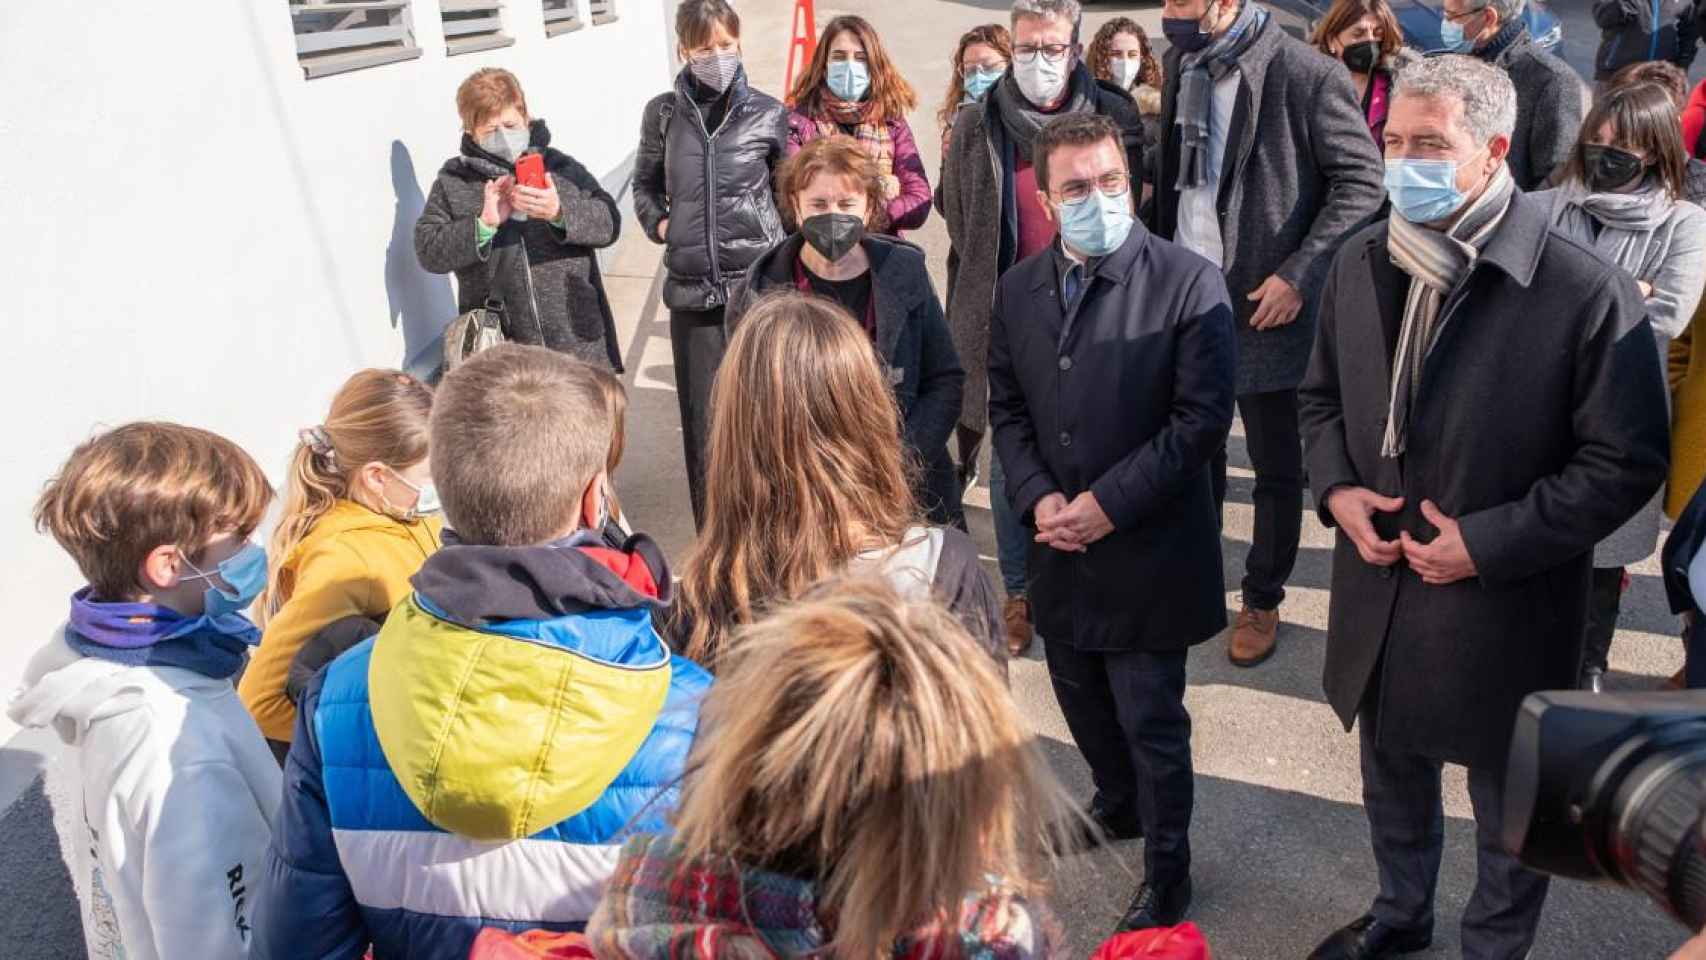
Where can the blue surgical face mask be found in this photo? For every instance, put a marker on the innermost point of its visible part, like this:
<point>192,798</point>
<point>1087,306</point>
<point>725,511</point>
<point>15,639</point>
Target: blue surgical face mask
<point>1451,34</point>
<point>1423,191</point>
<point>849,79</point>
<point>426,499</point>
<point>1096,225</point>
<point>244,574</point>
<point>980,82</point>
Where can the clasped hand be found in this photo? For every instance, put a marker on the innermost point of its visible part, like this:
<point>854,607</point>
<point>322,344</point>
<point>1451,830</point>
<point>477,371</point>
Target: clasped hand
<point>1071,527</point>
<point>1442,561</point>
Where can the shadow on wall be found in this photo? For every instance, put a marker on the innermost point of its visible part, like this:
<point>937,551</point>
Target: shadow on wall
<point>422,304</point>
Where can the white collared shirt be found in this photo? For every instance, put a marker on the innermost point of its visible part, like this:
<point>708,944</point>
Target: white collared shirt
<point>1199,215</point>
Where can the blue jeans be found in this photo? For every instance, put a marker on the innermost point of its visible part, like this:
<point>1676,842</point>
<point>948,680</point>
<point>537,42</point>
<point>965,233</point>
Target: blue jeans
<point>1012,539</point>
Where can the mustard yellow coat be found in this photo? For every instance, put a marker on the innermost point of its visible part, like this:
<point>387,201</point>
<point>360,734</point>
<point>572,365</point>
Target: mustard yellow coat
<point>1688,414</point>
<point>353,562</point>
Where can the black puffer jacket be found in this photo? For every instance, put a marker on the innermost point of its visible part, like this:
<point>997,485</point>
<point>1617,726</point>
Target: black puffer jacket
<point>714,187</point>
<point>546,278</point>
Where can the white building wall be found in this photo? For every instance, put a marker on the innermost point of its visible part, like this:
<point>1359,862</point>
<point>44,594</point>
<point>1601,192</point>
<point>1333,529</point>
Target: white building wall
<point>191,231</point>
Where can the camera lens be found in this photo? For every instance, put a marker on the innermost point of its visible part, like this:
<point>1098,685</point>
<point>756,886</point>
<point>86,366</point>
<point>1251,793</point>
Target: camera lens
<point>1656,838</point>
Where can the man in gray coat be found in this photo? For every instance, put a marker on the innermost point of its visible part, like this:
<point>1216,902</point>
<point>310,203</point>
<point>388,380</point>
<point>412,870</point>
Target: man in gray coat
<point>1265,165</point>
<point>1484,405</point>
<point>1550,98</point>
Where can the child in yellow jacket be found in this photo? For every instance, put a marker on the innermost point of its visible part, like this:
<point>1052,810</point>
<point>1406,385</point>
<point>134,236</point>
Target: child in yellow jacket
<point>357,525</point>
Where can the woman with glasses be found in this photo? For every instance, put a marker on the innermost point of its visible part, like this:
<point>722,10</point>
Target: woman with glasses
<point>980,60</point>
<point>708,150</point>
<point>1121,55</point>
<point>834,191</point>
<point>853,89</point>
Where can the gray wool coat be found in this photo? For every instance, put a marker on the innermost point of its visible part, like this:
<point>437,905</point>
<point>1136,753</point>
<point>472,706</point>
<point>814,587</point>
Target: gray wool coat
<point>547,279</point>
<point>1540,426</point>
<point>1550,106</point>
<point>1301,174</point>
<point>971,204</point>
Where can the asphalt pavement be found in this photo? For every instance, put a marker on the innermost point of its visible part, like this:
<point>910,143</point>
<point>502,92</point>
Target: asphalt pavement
<point>1280,843</point>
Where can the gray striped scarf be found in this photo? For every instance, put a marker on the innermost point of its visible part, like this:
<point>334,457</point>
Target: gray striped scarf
<point>1198,73</point>
<point>1437,261</point>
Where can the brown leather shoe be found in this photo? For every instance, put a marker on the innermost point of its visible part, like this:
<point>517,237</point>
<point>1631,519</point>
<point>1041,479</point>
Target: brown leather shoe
<point>1253,637</point>
<point>1016,613</point>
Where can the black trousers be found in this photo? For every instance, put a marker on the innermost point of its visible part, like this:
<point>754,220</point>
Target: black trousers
<point>1406,821</point>
<point>1605,602</point>
<point>697,341</point>
<point>1276,453</point>
<point>1127,714</point>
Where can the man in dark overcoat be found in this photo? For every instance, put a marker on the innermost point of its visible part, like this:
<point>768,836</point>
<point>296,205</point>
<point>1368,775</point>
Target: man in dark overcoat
<point>1265,165</point>
<point>1483,405</point>
<point>1111,363</point>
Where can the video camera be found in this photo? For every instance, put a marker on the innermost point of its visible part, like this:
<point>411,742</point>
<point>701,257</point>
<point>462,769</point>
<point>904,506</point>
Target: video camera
<point>1606,786</point>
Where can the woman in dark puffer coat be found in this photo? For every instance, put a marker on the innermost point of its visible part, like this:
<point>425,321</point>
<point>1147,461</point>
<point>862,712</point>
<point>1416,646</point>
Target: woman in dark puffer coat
<point>702,187</point>
<point>544,268</point>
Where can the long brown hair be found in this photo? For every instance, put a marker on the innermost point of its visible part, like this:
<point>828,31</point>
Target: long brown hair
<point>616,402</point>
<point>1344,13</point>
<point>890,94</point>
<point>1096,58</point>
<point>377,416</point>
<point>991,35</point>
<point>805,471</point>
<point>1642,116</point>
<point>866,740</point>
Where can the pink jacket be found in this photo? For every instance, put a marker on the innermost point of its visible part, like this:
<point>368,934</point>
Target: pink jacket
<point>909,208</point>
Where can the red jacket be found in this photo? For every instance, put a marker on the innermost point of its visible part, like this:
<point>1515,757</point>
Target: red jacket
<point>1694,120</point>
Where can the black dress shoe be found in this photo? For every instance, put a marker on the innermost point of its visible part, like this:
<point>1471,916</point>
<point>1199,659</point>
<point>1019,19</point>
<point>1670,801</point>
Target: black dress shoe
<point>1369,939</point>
<point>1098,826</point>
<point>1156,906</point>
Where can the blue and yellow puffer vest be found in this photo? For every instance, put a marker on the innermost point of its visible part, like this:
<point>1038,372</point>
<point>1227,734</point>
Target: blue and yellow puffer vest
<point>481,761</point>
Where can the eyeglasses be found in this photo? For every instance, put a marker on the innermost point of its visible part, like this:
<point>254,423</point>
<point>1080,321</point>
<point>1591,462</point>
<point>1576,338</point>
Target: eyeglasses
<point>1114,183</point>
<point>988,66</point>
<point>1052,52</point>
<point>1460,17</point>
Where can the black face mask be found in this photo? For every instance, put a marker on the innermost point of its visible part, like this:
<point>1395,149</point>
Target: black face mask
<point>1185,33</point>
<point>1361,57</point>
<point>1609,168</point>
<point>833,234</point>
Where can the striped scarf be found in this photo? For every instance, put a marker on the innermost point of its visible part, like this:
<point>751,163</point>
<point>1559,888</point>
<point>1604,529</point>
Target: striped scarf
<point>661,905</point>
<point>870,130</point>
<point>1198,73</point>
<point>1437,262</point>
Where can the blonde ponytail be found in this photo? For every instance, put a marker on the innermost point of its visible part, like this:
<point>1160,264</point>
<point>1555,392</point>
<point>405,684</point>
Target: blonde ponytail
<point>378,416</point>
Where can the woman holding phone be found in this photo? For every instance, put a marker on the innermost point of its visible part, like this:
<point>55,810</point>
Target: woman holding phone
<point>518,223</point>
<point>702,188</point>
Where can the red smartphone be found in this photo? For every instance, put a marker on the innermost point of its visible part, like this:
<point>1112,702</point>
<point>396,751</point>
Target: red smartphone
<point>530,170</point>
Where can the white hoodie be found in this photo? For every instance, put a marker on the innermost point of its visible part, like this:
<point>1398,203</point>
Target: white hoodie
<point>178,794</point>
